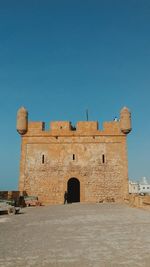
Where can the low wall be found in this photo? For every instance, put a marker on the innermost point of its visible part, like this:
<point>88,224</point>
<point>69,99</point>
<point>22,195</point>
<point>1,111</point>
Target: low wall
<point>132,200</point>
<point>135,200</point>
<point>9,194</point>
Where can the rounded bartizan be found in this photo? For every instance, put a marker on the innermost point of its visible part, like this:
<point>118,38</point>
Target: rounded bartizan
<point>125,120</point>
<point>22,121</point>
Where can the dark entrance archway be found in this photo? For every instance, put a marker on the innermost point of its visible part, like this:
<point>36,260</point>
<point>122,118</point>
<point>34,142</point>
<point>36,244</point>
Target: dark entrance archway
<point>73,190</point>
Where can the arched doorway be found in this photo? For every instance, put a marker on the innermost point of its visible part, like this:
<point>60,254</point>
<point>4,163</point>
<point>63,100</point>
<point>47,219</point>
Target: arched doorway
<point>73,187</point>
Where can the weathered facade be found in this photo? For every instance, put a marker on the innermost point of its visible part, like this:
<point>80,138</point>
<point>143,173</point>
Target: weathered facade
<point>90,164</point>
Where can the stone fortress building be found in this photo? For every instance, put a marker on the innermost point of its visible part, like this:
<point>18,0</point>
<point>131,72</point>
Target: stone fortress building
<point>90,164</point>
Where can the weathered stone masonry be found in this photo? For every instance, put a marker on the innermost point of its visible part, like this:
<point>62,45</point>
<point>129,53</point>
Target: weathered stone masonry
<point>89,163</point>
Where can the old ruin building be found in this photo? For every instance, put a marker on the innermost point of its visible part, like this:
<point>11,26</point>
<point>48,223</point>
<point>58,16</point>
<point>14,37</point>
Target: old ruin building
<point>89,163</point>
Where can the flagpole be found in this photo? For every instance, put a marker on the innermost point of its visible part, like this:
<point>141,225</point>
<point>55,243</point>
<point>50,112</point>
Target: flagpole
<point>87,115</point>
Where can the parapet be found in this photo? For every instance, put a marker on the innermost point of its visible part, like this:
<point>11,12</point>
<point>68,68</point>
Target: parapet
<point>35,127</point>
<point>112,127</point>
<point>60,125</point>
<point>87,126</point>
<point>62,128</point>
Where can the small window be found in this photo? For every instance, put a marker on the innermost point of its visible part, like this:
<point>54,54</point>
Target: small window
<point>143,187</point>
<point>61,127</point>
<point>43,158</point>
<point>73,157</point>
<point>56,137</point>
<point>103,158</point>
<point>147,187</point>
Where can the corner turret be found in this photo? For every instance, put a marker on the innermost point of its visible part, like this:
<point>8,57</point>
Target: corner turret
<point>22,121</point>
<point>125,120</point>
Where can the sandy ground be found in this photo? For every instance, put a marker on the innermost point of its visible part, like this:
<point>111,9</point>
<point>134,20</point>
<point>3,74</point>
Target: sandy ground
<point>76,235</point>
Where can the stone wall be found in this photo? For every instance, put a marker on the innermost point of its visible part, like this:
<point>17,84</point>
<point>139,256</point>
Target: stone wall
<point>97,158</point>
<point>9,194</point>
<point>138,201</point>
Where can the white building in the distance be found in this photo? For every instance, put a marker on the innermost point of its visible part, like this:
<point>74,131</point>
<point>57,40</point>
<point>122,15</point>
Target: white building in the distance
<point>133,187</point>
<point>142,187</point>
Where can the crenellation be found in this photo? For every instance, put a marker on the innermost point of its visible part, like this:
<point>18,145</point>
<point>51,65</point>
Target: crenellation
<point>35,127</point>
<point>89,126</point>
<point>60,126</point>
<point>64,128</point>
<point>112,127</point>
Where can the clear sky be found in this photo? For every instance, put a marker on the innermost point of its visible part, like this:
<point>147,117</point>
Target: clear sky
<point>58,58</point>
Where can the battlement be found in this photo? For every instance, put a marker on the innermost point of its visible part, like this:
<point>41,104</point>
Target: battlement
<point>87,126</point>
<point>65,128</point>
<point>112,127</point>
<point>60,125</point>
<point>35,127</point>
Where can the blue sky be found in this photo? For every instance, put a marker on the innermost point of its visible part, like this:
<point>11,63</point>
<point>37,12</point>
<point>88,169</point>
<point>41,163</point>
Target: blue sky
<point>58,58</point>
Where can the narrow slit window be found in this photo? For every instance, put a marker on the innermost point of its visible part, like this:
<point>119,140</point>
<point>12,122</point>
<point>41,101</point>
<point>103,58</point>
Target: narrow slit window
<point>43,159</point>
<point>103,158</point>
<point>73,157</point>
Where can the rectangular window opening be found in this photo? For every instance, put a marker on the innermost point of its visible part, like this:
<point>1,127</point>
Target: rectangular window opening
<point>73,157</point>
<point>103,158</point>
<point>43,159</point>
